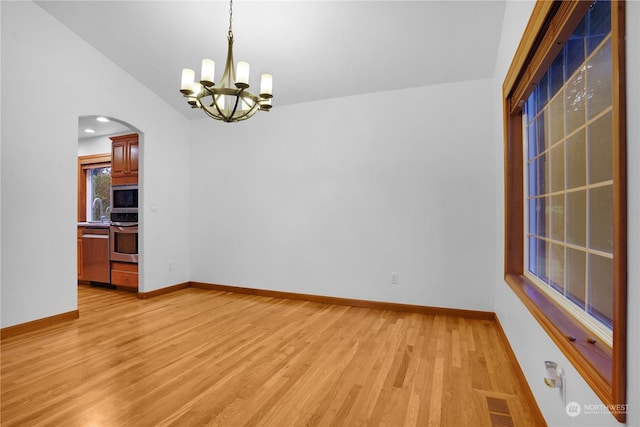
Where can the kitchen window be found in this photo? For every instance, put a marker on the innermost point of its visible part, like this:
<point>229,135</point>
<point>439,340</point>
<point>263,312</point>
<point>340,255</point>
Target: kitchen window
<point>565,203</point>
<point>98,192</point>
<point>94,182</point>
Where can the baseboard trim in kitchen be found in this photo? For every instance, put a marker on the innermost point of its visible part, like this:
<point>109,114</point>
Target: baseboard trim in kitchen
<point>168,289</point>
<point>23,328</point>
<point>422,309</point>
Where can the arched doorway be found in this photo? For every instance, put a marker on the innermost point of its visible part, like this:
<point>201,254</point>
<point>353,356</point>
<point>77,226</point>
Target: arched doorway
<point>107,250</point>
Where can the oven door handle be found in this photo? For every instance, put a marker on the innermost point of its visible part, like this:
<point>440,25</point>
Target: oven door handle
<point>124,225</point>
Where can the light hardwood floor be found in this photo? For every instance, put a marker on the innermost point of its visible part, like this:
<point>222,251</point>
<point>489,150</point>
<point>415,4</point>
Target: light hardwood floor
<point>199,357</point>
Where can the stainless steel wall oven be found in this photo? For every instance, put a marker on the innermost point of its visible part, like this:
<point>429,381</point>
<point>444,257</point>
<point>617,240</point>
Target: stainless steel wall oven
<point>124,241</point>
<point>123,237</point>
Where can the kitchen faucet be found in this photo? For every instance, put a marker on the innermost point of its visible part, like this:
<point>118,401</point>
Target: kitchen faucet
<point>93,206</point>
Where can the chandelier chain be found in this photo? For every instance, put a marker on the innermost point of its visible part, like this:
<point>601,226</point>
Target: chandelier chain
<point>230,16</point>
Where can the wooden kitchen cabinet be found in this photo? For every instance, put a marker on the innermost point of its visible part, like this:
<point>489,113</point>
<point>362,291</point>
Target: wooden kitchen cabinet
<point>124,274</point>
<point>124,159</point>
<point>95,255</point>
<point>80,231</point>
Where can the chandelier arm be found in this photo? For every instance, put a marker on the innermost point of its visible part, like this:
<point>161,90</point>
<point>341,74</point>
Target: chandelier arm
<point>235,105</point>
<point>229,119</point>
<point>212,93</point>
<point>217,105</point>
<point>247,114</point>
<point>213,115</point>
<point>220,91</point>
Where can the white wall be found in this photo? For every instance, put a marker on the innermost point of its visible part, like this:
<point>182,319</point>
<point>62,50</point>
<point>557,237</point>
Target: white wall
<point>94,145</point>
<point>39,162</point>
<point>530,343</point>
<point>330,197</point>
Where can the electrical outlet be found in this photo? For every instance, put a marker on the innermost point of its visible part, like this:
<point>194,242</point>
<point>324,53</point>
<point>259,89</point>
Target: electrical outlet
<point>170,266</point>
<point>395,278</point>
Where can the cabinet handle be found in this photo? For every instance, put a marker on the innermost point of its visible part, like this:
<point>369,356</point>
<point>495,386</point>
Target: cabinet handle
<point>95,236</point>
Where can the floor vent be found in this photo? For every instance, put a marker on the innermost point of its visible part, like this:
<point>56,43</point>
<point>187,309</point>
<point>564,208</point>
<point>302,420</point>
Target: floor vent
<point>499,412</point>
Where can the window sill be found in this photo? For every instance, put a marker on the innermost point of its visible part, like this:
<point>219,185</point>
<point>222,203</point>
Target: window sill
<point>593,360</point>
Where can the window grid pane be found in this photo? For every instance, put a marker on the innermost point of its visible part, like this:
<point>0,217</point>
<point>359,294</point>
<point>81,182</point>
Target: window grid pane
<point>568,179</point>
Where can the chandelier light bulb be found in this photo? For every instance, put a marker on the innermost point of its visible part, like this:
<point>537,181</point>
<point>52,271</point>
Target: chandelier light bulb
<point>188,78</point>
<point>242,75</point>
<point>266,86</point>
<point>208,72</point>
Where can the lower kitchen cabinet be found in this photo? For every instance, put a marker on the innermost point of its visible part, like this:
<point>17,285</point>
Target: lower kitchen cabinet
<point>95,254</point>
<point>124,274</point>
<point>80,231</point>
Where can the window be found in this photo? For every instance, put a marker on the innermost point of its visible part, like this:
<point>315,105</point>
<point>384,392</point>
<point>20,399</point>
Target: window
<point>98,192</point>
<point>94,182</point>
<point>565,218</point>
<point>568,177</point>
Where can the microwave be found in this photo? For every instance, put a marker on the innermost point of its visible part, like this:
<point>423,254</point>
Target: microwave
<point>124,198</point>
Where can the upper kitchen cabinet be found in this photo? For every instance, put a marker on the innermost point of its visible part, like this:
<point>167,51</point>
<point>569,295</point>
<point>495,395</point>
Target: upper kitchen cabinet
<point>124,159</point>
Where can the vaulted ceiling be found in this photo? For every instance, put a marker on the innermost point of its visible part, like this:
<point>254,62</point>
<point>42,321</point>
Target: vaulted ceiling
<point>314,49</point>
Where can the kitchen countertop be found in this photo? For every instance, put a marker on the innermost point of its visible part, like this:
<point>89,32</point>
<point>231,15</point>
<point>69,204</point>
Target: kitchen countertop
<point>94,224</point>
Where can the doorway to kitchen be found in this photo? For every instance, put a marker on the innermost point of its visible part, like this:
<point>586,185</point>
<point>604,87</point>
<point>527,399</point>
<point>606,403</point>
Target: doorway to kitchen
<point>107,203</point>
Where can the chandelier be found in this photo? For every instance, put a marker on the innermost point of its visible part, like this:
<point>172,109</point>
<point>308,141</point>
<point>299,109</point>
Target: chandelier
<point>229,100</point>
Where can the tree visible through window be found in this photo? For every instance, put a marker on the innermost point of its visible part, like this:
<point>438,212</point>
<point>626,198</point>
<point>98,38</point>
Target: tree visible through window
<point>94,182</point>
<point>98,188</point>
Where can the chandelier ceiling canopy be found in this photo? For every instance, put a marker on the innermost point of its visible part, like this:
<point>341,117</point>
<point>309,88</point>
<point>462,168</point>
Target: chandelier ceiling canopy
<point>229,100</point>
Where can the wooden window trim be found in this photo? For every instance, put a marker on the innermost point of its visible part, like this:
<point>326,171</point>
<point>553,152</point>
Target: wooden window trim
<point>85,163</point>
<point>602,367</point>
